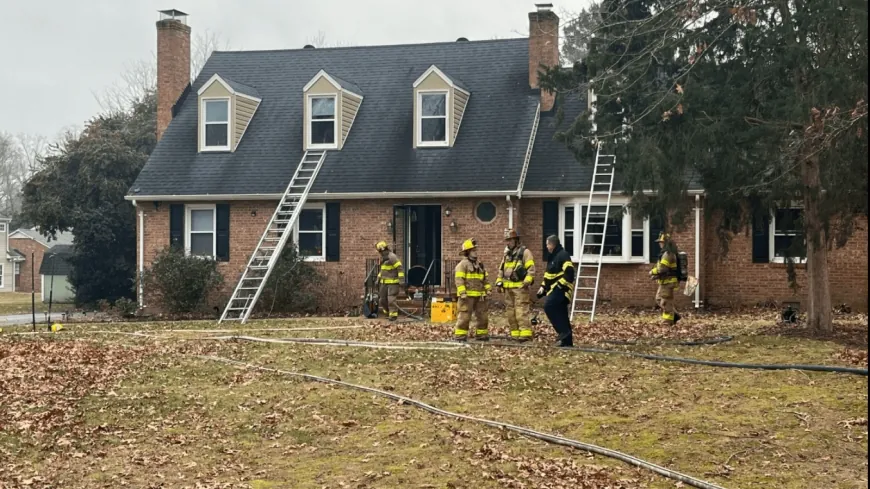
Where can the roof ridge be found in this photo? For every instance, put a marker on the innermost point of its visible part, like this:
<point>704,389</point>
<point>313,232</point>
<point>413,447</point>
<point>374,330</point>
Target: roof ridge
<point>368,46</point>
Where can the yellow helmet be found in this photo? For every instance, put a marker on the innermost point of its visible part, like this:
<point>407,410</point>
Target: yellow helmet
<point>663,236</point>
<point>381,246</point>
<point>468,245</point>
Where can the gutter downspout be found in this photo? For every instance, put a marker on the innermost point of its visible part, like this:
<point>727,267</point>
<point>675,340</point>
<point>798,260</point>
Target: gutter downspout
<point>141,255</point>
<point>510,212</point>
<point>698,250</point>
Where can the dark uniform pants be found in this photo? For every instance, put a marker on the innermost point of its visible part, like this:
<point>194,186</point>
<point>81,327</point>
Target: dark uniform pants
<point>388,295</point>
<point>556,308</point>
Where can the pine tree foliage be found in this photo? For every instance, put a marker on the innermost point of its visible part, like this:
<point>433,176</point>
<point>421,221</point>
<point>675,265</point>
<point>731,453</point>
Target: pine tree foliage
<point>760,102</point>
<point>80,187</point>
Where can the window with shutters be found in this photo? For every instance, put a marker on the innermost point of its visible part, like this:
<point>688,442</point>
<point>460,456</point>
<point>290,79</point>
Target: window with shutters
<point>625,238</point>
<point>309,234</point>
<point>200,230</point>
<point>787,235</point>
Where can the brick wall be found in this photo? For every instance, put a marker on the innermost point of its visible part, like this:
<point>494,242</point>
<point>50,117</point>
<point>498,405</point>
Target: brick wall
<point>364,223</point>
<point>733,279</point>
<point>27,246</point>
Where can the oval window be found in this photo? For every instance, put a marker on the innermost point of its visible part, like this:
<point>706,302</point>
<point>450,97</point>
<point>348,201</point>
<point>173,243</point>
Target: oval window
<point>485,212</point>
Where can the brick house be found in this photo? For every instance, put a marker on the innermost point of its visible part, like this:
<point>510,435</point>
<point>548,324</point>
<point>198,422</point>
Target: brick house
<point>29,242</point>
<point>426,145</point>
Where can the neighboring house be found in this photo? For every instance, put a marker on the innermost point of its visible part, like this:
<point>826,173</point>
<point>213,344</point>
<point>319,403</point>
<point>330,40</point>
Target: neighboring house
<point>426,145</point>
<point>54,275</point>
<point>9,258</point>
<point>30,243</point>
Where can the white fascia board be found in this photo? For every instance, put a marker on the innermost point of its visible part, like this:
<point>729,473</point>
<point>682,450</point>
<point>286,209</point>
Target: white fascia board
<point>215,78</point>
<point>434,69</point>
<point>321,74</point>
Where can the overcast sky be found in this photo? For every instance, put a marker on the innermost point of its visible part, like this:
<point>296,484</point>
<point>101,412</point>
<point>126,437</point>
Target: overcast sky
<point>57,53</point>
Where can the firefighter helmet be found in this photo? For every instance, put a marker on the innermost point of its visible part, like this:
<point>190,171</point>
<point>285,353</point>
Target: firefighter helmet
<point>511,234</point>
<point>468,245</point>
<point>381,246</point>
<point>663,236</point>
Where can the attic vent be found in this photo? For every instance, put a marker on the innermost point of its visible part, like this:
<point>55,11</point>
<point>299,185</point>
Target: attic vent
<point>308,46</point>
<point>462,39</point>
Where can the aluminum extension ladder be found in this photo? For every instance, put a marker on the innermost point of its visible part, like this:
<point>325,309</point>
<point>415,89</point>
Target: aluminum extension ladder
<point>589,275</point>
<point>274,239</point>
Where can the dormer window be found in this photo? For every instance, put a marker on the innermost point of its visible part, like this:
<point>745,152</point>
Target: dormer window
<point>439,105</point>
<point>432,107</point>
<point>323,121</point>
<point>330,107</point>
<point>216,126</point>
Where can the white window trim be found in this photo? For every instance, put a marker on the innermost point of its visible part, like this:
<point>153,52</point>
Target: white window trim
<point>626,258</point>
<point>187,227</point>
<point>419,121</point>
<point>205,146</point>
<point>2,227</point>
<point>309,100</point>
<point>771,238</point>
<point>316,206</point>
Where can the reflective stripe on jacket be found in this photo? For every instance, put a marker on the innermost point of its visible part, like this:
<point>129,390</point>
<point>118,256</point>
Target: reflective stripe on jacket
<point>472,278</point>
<point>560,273</point>
<point>391,270</point>
<point>510,263</point>
<point>666,269</point>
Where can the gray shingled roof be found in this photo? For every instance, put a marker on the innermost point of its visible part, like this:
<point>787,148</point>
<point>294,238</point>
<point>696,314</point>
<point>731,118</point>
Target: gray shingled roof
<point>378,155</point>
<point>553,167</point>
<point>241,87</point>
<point>55,261</point>
<point>60,239</point>
<point>350,86</point>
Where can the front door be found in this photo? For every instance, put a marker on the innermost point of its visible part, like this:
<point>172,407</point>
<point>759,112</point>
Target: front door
<point>417,239</point>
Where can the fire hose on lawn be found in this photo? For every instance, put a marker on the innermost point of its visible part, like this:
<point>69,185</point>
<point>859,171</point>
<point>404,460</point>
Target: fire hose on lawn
<point>578,349</point>
<point>557,440</point>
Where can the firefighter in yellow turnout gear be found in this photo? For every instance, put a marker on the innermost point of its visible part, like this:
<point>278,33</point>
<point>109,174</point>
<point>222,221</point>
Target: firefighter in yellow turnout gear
<point>515,274</point>
<point>472,287</point>
<point>666,274</point>
<point>389,278</point>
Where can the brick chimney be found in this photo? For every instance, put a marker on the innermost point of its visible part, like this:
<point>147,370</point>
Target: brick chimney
<point>173,63</point>
<point>543,47</point>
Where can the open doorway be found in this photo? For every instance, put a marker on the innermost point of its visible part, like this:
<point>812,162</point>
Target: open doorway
<point>417,239</point>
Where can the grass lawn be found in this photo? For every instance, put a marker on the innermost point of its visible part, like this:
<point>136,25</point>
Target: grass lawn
<point>81,409</point>
<point>20,303</point>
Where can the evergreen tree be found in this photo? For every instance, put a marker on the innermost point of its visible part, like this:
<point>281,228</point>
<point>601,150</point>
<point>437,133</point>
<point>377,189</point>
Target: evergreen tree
<point>81,188</point>
<point>760,102</point>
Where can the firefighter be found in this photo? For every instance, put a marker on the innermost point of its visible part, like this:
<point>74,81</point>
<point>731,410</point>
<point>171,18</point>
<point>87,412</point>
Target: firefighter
<point>558,287</point>
<point>666,274</point>
<point>472,287</point>
<point>389,278</point>
<point>515,274</point>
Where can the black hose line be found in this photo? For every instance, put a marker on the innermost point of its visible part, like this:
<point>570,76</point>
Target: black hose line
<point>557,440</point>
<point>705,341</point>
<point>693,361</point>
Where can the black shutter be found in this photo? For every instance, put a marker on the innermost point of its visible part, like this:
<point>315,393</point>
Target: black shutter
<point>760,238</point>
<point>176,226</point>
<point>655,228</point>
<point>551,224</point>
<point>223,231</point>
<point>333,231</point>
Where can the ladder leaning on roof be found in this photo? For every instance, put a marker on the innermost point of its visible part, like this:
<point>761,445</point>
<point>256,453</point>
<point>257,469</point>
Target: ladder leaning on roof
<point>589,275</point>
<point>274,238</point>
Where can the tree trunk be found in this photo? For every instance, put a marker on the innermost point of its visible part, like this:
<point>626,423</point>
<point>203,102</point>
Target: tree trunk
<point>819,315</point>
